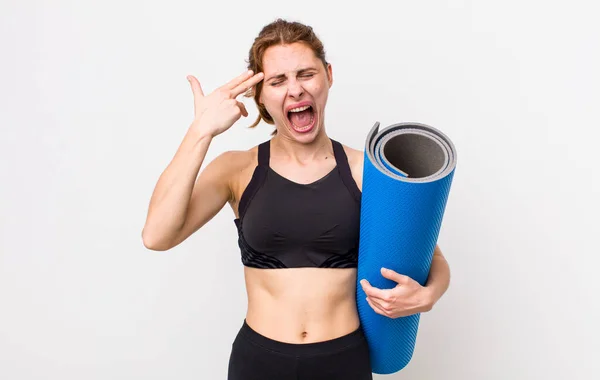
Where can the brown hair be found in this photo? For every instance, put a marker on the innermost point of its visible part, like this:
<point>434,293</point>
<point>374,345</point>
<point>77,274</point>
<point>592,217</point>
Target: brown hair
<point>278,32</point>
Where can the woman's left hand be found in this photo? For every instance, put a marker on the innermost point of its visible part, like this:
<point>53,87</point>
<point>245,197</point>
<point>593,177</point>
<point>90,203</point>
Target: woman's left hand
<point>406,298</point>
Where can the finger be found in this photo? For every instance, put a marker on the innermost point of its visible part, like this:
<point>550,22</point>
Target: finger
<point>375,307</point>
<point>394,276</point>
<point>239,79</point>
<point>382,294</point>
<point>243,109</point>
<point>197,91</point>
<point>247,84</point>
<point>384,306</point>
<point>196,87</point>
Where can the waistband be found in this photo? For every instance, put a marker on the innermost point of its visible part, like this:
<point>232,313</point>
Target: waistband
<point>351,339</point>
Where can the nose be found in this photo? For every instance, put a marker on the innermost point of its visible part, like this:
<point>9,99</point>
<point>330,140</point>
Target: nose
<point>295,89</point>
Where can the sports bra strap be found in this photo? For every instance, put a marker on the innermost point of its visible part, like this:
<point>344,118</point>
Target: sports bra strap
<point>340,156</point>
<point>344,167</point>
<point>264,153</point>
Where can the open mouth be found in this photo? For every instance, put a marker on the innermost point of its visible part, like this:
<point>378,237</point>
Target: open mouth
<point>302,119</point>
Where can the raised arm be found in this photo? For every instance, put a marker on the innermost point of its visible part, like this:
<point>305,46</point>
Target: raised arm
<point>182,202</point>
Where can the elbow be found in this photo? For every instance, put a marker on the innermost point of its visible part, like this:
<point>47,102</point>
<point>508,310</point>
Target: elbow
<point>153,242</point>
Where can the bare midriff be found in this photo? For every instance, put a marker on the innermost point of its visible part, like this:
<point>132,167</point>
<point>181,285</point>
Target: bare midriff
<point>302,305</point>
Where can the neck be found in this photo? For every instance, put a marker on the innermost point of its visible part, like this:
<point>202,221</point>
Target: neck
<point>300,152</point>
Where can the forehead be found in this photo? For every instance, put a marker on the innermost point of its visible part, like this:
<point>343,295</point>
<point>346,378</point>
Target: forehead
<point>284,58</point>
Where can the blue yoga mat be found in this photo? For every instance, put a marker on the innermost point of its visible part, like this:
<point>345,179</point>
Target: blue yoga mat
<point>408,171</point>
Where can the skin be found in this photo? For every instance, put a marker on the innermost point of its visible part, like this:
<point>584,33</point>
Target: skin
<point>294,305</point>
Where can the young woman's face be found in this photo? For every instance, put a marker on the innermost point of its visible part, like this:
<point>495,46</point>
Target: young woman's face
<point>295,89</point>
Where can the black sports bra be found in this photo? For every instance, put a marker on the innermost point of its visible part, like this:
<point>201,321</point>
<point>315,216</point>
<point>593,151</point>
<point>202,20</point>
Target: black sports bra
<point>285,224</point>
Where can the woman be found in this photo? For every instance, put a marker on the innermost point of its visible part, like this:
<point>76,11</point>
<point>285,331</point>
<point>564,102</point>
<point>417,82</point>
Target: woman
<point>296,200</point>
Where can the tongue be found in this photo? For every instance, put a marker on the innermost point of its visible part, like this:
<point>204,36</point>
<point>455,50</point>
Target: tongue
<point>301,119</point>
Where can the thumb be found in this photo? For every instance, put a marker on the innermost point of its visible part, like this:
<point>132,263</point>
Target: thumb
<point>394,276</point>
<point>196,87</point>
<point>198,94</point>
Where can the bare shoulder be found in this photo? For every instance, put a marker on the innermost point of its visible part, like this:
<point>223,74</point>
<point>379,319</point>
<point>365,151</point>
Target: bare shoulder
<point>238,166</point>
<point>231,161</point>
<point>356,162</point>
<point>224,170</point>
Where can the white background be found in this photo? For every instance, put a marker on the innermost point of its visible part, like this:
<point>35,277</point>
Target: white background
<point>94,103</point>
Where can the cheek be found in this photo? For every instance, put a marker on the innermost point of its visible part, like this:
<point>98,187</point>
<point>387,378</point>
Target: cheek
<point>314,86</point>
<point>319,90</point>
<point>273,100</point>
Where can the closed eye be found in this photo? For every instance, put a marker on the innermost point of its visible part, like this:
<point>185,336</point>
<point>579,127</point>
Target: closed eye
<point>301,75</point>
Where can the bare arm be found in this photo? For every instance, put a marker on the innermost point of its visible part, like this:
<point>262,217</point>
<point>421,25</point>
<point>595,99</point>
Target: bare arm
<point>182,201</point>
<point>439,277</point>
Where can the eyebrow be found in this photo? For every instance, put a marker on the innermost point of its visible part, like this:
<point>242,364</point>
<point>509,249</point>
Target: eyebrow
<point>299,71</point>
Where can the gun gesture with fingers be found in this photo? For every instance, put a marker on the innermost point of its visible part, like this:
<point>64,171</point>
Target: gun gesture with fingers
<point>217,112</point>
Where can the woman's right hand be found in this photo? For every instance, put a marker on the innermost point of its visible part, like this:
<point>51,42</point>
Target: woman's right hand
<point>218,111</point>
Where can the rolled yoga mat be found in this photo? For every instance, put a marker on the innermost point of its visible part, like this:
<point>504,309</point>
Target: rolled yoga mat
<point>408,171</point>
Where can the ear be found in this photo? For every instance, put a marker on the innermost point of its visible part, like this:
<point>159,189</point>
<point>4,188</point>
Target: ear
<point>330,74</point>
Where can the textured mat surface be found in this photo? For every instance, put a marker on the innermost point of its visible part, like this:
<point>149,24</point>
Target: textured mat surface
<point>407,175</point>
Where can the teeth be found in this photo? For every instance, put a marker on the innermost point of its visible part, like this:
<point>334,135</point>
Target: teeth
<point>299,109</point>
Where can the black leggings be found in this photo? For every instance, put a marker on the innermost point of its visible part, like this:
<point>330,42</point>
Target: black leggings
<point>255,357</point>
